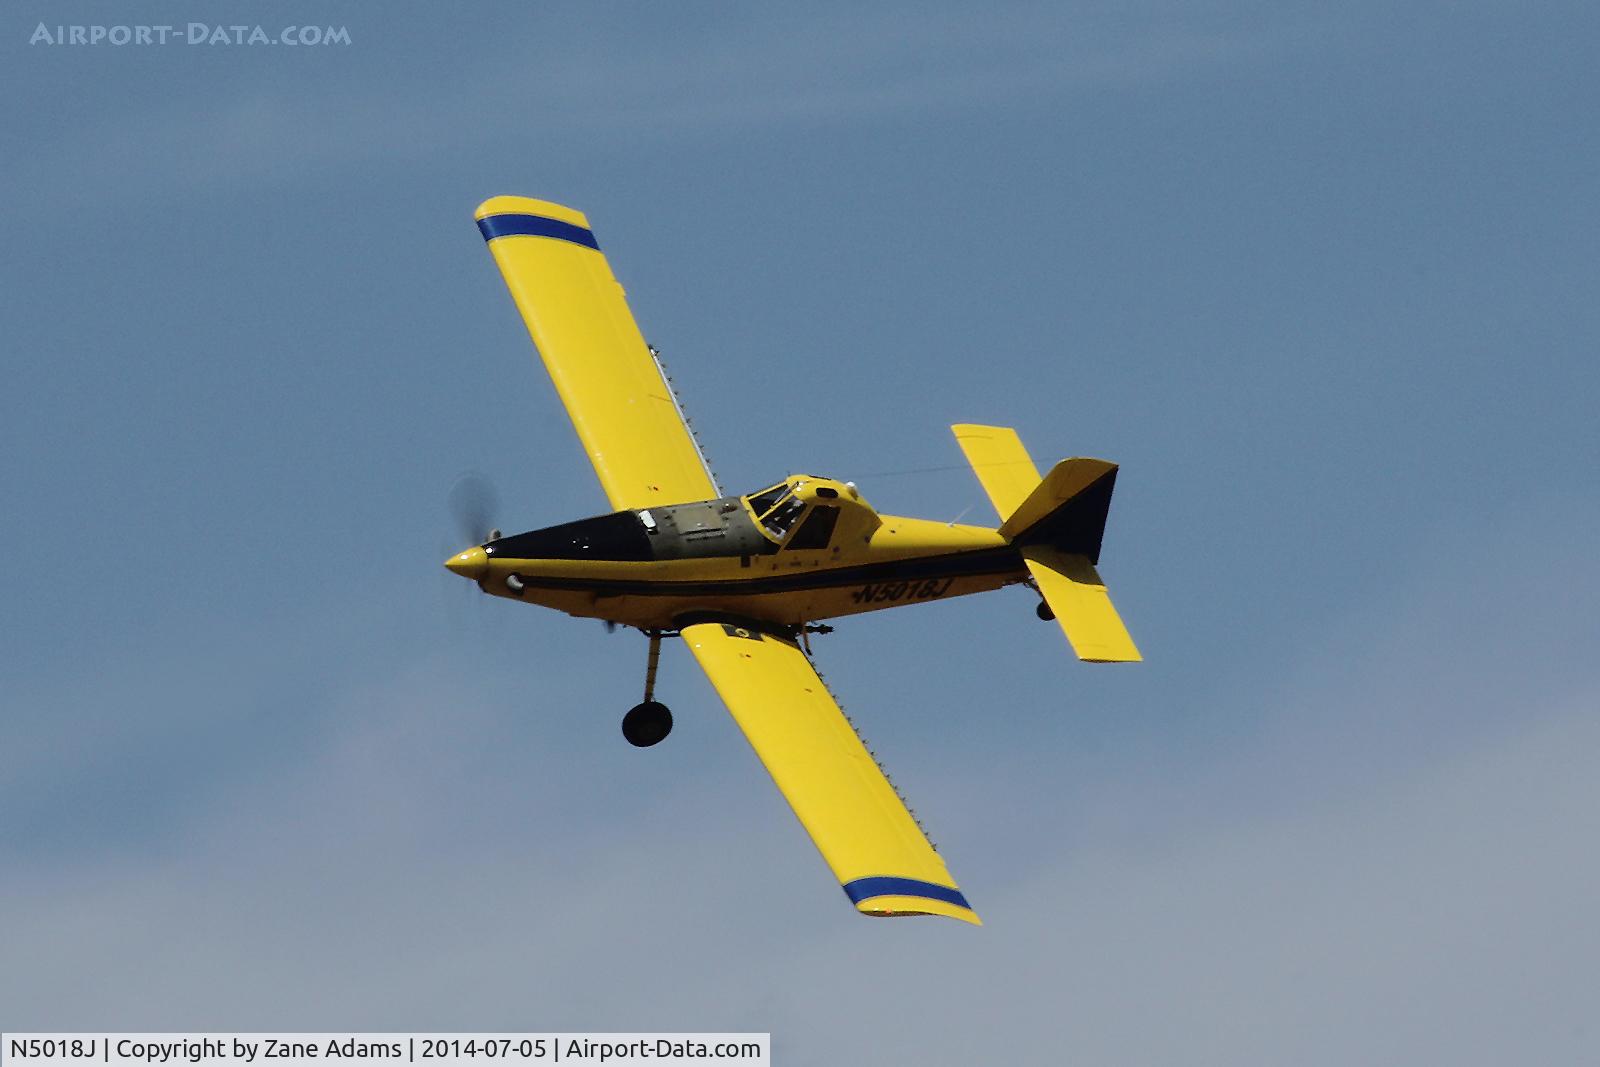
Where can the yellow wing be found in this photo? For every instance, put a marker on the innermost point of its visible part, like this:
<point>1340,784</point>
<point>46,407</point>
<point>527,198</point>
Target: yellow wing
<point>611,384</point>
<point>854,816</point>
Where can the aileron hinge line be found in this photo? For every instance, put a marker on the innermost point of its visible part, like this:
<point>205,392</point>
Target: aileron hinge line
<point>875,760</point>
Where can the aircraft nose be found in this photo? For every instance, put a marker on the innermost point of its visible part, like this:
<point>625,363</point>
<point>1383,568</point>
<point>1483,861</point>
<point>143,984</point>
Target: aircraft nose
<point>469,564</point>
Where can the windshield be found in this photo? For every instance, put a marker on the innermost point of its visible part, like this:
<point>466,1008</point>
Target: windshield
<point>779,519</point>
<point>762,502</point>
<point>777,509</point>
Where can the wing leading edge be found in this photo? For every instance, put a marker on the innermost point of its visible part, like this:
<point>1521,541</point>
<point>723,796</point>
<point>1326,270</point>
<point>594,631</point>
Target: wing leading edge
<point>837,790</point>
<point>613,388</point>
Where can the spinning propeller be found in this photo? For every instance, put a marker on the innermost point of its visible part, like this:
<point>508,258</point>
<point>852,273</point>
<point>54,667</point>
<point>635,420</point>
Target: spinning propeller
<point>473,503</point>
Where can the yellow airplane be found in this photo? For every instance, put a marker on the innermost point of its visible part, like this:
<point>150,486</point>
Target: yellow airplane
<point>745,579</point>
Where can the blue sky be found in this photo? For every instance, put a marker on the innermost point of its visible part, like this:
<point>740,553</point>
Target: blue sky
<point>1321,280</point>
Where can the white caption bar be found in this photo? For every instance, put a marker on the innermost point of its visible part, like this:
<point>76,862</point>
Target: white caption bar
<point>371,1050</point>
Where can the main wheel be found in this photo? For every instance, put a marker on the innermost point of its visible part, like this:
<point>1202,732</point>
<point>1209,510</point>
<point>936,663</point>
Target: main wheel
<point>1044,612</point>
<point>647,724</point>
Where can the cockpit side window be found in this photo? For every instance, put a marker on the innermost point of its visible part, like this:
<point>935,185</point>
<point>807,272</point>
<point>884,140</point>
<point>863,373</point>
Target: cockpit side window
<point>817,530</point>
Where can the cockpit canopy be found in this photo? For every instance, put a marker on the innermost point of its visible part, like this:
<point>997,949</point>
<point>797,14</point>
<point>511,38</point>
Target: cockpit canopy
<point>776,509</point>
<point>801,513</point>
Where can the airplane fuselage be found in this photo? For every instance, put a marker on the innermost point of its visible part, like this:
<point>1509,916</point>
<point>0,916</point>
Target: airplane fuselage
<point>805,550</point>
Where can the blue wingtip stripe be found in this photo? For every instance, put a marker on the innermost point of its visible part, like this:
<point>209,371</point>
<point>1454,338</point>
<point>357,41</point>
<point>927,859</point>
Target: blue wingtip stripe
<point>866,888</point>
<point>492,226</point>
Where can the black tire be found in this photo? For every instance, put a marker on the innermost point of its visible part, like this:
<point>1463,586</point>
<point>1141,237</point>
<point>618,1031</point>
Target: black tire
<point>1044,612</point>
<point>647,724</point>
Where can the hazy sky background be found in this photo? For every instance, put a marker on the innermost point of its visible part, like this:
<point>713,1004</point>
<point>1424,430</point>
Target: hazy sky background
<point>1321,278</point>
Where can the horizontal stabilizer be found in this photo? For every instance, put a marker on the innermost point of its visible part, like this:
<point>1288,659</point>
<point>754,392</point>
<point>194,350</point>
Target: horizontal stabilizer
<point>1074,591</point>
<point>1002,465</point>
<point>1057,524</point>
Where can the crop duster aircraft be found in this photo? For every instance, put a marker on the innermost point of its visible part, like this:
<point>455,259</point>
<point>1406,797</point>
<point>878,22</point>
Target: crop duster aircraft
<point>744,579</point>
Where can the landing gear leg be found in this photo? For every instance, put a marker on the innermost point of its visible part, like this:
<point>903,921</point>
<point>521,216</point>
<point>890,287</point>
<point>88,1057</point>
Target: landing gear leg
<point>648,723</point>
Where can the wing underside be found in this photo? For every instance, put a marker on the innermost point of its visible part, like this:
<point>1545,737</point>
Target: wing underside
<point>613,387</point>
<point>834,785</point>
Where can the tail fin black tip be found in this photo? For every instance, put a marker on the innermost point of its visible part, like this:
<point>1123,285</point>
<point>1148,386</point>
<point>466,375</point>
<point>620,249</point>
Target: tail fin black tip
<point>1077,526</point>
